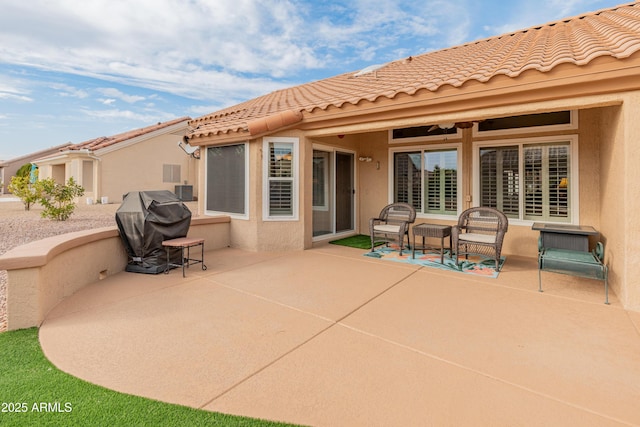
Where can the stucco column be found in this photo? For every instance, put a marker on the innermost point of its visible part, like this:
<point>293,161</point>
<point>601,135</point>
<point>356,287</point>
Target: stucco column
<point>631,136</point>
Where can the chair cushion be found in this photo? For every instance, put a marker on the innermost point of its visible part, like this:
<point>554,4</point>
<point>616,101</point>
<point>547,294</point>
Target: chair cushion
<point>477,238</point>
<point>387,228</point>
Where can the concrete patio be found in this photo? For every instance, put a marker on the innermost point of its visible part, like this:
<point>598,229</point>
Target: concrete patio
<point>329,337</point>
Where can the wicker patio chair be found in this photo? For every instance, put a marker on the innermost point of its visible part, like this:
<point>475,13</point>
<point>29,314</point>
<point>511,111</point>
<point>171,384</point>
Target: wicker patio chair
<point>480,231</point>
<point>392,225</point>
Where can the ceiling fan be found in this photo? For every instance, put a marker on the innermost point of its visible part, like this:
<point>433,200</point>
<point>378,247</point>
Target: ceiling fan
<point>451,125</point>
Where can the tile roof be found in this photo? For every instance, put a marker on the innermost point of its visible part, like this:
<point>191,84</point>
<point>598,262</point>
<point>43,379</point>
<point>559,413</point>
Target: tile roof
<point>106,141</point>
<point>613,32</point>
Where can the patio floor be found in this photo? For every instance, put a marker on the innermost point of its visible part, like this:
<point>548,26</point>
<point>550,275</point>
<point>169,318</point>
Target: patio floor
<point>329,337</point>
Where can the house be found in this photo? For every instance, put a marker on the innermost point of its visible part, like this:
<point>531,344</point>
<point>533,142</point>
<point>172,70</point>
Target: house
<point>149,158</point>
<point>9,168</point>
<point>541,123</point>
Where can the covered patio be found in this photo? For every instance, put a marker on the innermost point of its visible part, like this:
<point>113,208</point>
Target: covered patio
<point>327,336</point>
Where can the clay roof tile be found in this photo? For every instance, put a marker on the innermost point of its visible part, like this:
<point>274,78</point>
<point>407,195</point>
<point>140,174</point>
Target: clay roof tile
<point>106,141</point>
<point>579,40</point>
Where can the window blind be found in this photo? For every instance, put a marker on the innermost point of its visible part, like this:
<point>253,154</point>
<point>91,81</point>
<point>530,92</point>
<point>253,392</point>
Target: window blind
<point>441,181</point>
<point>547,182</point>
<point>226,177</point>
<point>280,179</point>
<point>499,179</point>
<point>408,179</point>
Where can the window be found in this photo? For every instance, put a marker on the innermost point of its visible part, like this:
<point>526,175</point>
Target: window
<point>281,170</point>
<point>526,123</point>
<point>425,133</point>
<point>527,181</point>
<point>427,179</point>
<point>321,180</point>
<point>441,182</point>
<point>170,173</point>
<point>227,180</point>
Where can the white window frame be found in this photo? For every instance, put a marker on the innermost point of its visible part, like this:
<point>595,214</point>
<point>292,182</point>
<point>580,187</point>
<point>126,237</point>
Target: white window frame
<point>244,216</point>
<point>266,216</point>
<point>572,125</point>
<point>574,181</point>
<point>424,148</point>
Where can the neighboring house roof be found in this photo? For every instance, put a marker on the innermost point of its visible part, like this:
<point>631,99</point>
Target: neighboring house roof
<point>613,33</point>
<point>106,141</point>
<point>28,157</point>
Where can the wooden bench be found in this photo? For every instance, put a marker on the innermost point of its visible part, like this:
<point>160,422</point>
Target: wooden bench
<point>184,243</point>
<point>574,263</point>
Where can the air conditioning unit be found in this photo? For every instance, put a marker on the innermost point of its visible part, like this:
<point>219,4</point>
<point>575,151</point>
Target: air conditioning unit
<point>184,192</point>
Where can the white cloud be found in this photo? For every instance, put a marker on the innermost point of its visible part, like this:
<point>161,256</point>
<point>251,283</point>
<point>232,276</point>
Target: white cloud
<point>117,94</point>
<point>70,91</point>
<point>14,97</point>
<point>204,49</point>
<point>123,114</point>
<point>12,89</point>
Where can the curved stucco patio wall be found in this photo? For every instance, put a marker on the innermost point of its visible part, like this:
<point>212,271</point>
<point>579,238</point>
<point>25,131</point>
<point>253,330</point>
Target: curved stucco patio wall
<point>43,273</point>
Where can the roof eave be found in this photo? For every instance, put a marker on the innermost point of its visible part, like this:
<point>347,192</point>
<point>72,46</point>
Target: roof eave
<point>530,87</point>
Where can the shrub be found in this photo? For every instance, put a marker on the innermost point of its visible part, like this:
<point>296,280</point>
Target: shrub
<point>58,200</point>
<point>22,188</point>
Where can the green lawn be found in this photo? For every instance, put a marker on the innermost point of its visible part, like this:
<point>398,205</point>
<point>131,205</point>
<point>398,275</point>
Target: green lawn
<point>34,393</point>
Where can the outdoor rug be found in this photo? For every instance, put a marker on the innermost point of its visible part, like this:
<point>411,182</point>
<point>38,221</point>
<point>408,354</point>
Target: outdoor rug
<point>475,265</point>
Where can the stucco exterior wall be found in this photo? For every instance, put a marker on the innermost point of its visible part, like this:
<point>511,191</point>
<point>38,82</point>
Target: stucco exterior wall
<point>254,233</point>
<point>632,201</point>
<point>139,167</point>
<point>618,205</point>
<point>607,173</point>
<point>373,191</point>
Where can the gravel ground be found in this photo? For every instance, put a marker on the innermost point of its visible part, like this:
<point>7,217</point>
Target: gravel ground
<point>18,227</point>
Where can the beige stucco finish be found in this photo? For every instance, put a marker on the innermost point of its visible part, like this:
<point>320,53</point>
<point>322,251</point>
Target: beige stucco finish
<point>607,127</point>
<point>134,165</point>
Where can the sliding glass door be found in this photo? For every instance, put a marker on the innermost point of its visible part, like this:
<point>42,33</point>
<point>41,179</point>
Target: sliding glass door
<point>333,192</point>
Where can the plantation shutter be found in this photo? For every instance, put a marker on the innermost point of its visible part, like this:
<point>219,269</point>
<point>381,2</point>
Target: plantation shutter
<point>408,179</point>
<point>441,182</point>
<point>280,179</point>
<point>559,182</point>
<point>547,182</point>
<point>499,179</point>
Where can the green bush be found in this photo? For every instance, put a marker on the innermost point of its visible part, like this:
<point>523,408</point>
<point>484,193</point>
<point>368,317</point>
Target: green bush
<point>22,188</point>
<point>58,200</point>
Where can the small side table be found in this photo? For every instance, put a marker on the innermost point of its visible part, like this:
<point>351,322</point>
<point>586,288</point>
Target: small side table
<point>431,230</point>
<point>184,243</point>
<point>565,236</point>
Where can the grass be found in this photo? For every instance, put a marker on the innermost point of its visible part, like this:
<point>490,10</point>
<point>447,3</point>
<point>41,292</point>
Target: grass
<point>47,396</point>
<point>359,241</point>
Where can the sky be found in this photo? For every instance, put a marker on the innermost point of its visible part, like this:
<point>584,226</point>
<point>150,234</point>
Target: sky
<point>74,70</point>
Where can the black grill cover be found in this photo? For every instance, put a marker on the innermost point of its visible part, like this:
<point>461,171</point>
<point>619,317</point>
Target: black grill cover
<point>145,219</point>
